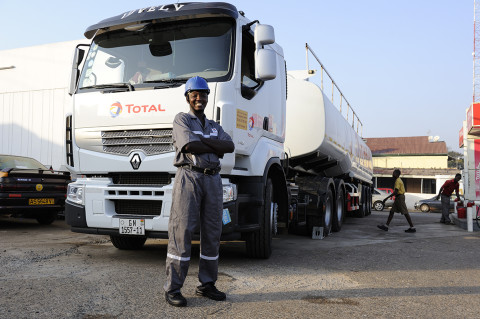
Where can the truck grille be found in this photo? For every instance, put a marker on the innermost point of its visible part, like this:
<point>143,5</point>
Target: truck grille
<point>151,142</point>
<point>138,207</point>
<point>141,178</point>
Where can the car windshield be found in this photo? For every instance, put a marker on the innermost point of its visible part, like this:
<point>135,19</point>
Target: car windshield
<point>164,53</point>
<point>8,161</point>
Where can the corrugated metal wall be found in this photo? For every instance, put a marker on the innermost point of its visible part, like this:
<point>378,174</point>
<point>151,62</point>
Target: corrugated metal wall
<point>32,124</point>
<point>34,101</point>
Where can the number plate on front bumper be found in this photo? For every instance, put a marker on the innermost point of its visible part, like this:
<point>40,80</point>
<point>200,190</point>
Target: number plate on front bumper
<point>41,201</point>
<point>132,226</point>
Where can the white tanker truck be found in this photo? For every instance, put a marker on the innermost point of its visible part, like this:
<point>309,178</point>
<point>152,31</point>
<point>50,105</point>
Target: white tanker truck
<point>298,164</point>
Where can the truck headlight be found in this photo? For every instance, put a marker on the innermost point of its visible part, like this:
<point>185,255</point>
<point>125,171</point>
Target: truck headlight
<point>229,192</point>
<point>75,193</point>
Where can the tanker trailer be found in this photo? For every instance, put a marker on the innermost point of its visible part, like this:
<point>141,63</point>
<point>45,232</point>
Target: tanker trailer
<point>329,165</point>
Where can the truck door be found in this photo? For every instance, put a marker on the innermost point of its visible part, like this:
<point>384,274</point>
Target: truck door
<point>259,109</point>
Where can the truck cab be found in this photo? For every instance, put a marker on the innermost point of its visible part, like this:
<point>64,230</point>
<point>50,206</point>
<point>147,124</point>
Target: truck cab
<point>127,87</point>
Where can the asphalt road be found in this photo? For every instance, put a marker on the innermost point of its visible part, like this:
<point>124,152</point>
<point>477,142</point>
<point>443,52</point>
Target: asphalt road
<point>50,272</point>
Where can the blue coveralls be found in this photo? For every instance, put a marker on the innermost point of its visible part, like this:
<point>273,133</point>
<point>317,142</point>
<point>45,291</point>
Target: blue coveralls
<point>196,197</point>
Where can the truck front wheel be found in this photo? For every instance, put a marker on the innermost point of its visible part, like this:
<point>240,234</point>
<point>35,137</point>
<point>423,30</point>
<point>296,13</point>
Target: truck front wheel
<point>259,243</point>
<point>128,243</point>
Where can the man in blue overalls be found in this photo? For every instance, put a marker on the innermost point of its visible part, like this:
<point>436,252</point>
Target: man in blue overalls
<point>197,195</point>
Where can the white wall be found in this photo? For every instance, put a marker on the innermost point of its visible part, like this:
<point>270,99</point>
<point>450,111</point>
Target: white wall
<point>34,101</point>
<point>441,179</point>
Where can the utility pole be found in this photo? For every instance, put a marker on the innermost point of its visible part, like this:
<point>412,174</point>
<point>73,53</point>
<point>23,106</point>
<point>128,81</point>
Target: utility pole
<point>476,51</point>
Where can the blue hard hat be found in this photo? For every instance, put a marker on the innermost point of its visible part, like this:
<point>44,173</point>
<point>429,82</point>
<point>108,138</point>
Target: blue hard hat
<point>196,83</point>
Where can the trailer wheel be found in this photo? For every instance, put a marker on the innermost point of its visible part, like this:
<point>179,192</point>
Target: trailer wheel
<point>323,214</point>
<point>362,210</point>
<point>259,243</point>
<point>327,201</point>
<point>324,218</point>
<point>369,201</point>
<point>339,212</point>
<point>128,243</point>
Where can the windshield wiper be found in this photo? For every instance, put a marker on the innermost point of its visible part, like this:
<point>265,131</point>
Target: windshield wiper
<point>167,83</point>
<point>110,86</point>
<point>174,80</point>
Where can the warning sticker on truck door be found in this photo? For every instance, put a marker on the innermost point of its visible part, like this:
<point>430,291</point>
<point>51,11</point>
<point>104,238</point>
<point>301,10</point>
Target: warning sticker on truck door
<point>242,119</point>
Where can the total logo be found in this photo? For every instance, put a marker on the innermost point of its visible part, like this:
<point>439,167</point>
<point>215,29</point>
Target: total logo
<point>116,109</point>
<point>251,123</point>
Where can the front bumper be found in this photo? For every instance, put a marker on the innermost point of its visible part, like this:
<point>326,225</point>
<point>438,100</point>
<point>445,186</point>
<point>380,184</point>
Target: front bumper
<point>102,204</point>
<point>76,217</point>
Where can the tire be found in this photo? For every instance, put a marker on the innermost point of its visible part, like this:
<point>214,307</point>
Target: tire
<point>424,208</point>
<point>328,207</point>
<point>369,201</point>
<point>339,212</point>
<point>378,206</point>
<point>128,243</point>
<point>362,210</point>
<point>322,215</point>
<point>46,218</point>
<point>259,243</point>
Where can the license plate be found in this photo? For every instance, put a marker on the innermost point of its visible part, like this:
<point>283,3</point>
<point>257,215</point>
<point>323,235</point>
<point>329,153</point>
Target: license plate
<point>132,226</point>
<point>41,201</point>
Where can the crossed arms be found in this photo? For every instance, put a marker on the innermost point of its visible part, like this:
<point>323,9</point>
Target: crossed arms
<point>207,145</point>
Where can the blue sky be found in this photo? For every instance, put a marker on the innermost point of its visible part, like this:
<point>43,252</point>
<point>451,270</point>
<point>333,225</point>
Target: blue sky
<point>405,66</point>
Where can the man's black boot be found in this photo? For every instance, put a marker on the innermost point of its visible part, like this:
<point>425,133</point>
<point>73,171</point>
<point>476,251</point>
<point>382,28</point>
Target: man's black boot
<point>176,299</point>
<point>210,291</point>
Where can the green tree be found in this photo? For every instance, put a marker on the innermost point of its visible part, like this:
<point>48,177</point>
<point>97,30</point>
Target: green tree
<point>455,160</point>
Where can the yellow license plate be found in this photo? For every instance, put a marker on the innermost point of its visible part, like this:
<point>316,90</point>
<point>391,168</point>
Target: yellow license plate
<point>41,201</point>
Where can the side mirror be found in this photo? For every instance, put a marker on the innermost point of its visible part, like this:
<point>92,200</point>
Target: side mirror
<point>77,60</point>
<point>265,64</point>
<point>264,34</point>
<point>265,59</point>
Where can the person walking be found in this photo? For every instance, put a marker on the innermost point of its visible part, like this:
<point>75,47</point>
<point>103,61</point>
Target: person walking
<point>399,205</point>
<point>197,196</point>
<point>445,192</point>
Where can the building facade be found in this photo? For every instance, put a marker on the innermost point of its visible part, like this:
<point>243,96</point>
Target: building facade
<point>422,161</point>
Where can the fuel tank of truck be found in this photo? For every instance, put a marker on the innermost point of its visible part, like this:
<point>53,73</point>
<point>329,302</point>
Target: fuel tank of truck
<point>318,137</point>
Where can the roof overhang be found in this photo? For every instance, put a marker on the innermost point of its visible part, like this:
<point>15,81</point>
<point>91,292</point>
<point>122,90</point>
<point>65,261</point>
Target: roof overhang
<point>166,12</point>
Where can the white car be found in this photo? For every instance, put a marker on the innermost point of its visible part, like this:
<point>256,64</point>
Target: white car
<point>377,199</point>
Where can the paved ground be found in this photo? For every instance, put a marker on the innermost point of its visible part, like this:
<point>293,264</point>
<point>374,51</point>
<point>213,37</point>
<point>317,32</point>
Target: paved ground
<point>49,272</point>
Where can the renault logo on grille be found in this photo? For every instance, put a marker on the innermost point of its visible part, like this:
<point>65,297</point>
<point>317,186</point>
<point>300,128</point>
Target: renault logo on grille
<point>136,161</point>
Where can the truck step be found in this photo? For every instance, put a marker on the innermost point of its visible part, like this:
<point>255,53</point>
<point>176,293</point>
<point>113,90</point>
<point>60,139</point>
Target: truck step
<point>248,198</point>
<point>248,227</point>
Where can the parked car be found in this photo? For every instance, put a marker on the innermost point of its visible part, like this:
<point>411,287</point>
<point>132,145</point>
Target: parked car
<point>434,205</point>
<point>377,199</point>
<point>388,190</point>
<point>29,189</point>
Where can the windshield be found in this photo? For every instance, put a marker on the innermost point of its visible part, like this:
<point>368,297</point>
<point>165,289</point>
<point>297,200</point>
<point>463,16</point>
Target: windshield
<point>7,161</point>
<point>156,53</point>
